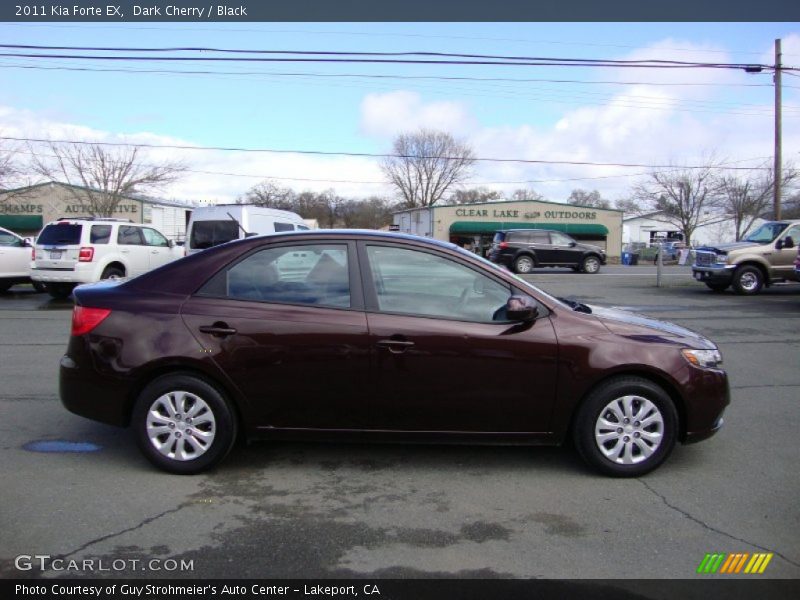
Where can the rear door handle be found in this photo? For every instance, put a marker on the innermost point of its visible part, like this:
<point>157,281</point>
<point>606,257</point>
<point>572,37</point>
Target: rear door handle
<point>218,330</point>
<point>395,346</point>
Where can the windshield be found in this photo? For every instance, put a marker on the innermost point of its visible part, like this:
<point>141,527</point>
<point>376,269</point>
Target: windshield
<point>766,233</point>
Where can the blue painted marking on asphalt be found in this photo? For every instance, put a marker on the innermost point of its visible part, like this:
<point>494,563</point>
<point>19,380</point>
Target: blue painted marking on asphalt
<point>61,446</point>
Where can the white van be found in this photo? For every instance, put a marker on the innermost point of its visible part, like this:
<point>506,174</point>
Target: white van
<point>213,225</point>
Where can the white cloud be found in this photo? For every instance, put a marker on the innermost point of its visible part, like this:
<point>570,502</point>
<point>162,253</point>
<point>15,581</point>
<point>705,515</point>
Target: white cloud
<point>214,176</point>
<point>386,115</point>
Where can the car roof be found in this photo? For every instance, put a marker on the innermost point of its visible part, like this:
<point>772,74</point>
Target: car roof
<point>357,233</point>
<point>528,229</point>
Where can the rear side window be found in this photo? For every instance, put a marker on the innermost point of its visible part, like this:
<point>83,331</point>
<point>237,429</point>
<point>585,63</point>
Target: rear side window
<point>283,226</point>
<point>520,237</point>
<point>100,234</point>
<point>60,234</point>
<point>315,274</point>
<point>500,236</point>
<point>540,237</point>
<point>206,234</point>
<point>130,236</point>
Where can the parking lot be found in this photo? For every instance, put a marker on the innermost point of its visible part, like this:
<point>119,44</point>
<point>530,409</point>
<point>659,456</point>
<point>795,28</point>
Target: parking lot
<point>336,510</point>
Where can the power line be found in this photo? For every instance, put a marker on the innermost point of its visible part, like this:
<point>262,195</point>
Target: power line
<point>324,57</point>
<point>367,154</point>
<point>401,77</point>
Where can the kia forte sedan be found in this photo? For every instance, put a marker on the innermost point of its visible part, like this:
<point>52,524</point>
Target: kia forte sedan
<point>377,336</point>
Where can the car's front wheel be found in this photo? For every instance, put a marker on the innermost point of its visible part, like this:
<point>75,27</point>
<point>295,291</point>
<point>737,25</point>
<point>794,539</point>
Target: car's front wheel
<point>748,280</point>
<point>183,424</point>
<point>626,427</point>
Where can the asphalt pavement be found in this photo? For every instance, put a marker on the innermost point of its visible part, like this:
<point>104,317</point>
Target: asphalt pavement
<point>78,490</point>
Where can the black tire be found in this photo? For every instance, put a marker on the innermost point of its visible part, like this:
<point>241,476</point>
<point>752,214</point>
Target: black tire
<point>657,436</point>
<point>748,280</point>
<point>524,264</point>
<point>4,287</point>
<point>112,273</point>
<point>717,287</point>
<point>591,265</point>
<point>39,287</point>
<point>176,438</point>
<point>59,291</point>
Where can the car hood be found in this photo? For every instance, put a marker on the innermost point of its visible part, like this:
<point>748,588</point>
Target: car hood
<point>724,248</point>
<point>636,326</point>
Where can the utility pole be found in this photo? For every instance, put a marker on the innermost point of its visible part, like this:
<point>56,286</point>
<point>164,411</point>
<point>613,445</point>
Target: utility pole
<point>778,176</point>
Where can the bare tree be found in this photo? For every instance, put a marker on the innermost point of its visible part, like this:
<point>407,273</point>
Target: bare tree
<point>99,177</point>
<point>270,194</point>
<point>371,213</point>
<point>526,194</point>
<point>591,199</point>
<point>425,164</point>
<point>746,198</point>
<point>474,196</point>
<point>682,195</point>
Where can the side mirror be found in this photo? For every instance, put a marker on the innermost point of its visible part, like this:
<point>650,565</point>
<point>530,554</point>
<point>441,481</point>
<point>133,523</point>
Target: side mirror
<point>171,243</point>
<point>573,244</point>
<point>27,242</point>
<point>521,308</point>
<point>788,242</point>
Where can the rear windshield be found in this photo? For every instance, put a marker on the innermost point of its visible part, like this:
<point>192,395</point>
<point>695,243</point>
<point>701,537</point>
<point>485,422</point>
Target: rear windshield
<point>206,234</point>
<point>283,226</point>
<point>500,236</point>
<point>60,234</point>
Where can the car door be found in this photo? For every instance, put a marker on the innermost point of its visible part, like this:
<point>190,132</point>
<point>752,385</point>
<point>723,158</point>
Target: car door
<point>286,325</point>
<point>564,250</point>
<point>539,242</point>
<point>783,259</point>
<point>443,359</point>
<point>158,248</point>
<point>134,251</point>
<point>15,256</point>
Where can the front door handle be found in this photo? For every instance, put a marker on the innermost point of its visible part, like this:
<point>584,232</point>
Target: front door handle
<point>218,330</point>
<point>395,346</point>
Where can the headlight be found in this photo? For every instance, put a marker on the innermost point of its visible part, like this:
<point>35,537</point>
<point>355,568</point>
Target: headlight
<point>705,359</point>
<point>722,258</point>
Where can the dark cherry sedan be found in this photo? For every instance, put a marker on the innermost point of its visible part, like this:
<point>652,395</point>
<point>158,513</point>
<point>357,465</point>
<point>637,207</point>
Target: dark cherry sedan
<point>377,336</point>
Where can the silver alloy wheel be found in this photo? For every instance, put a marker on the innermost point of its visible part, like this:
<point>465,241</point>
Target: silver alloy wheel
<point>524,264</point>
<point>181,425</point>
<point>591,265</point>
<point>749,281</point>
<point>629,430</point>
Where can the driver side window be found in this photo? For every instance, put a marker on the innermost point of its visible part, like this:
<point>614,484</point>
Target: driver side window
<point>419,283</point>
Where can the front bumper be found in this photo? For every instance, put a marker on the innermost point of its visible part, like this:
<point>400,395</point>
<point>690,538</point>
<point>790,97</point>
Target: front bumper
<point>706,396</point>
<point>714,274</point>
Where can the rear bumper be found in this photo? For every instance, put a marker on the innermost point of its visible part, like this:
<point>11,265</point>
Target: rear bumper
<point>86,393</point>
<point>78,274</point>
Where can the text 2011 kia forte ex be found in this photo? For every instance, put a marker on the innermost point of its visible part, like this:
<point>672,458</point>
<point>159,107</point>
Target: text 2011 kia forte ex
<point>367,336</point>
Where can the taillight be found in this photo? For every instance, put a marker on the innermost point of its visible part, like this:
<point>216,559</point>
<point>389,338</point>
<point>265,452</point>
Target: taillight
<point>33,252</point>
<point>503,245</point>
<point>86,254</point>
<point>84,319</point>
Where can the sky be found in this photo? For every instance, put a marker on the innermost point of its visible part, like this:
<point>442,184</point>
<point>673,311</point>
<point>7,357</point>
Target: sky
<point>600,115</point>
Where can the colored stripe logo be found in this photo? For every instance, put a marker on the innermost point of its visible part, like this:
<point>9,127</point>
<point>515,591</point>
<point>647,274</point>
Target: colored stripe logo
<point>735,563</point>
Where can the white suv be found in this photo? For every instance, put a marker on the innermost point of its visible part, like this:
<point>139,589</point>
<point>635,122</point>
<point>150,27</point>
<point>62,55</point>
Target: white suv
<point>73,251</point>
<point>15,260</point>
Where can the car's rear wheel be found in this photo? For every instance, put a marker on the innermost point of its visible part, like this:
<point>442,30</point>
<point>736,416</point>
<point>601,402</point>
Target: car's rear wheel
<point>4,287</point>
<point>183,424</point>
<point>590,264</point>
<point>524,264</point>
<point>717,287</point>
<point>748,280</point>
<point>112,273</point>
<point>39,286</point>
<point>626,427</point>
<point>59,291</point>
